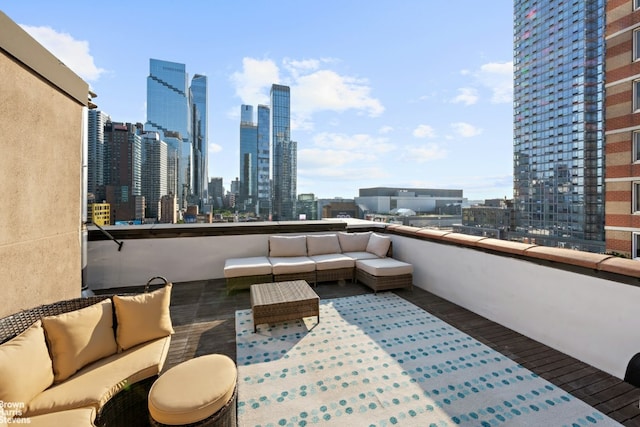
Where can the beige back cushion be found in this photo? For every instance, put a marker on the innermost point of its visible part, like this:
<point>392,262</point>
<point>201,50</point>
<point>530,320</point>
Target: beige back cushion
<point>323,244</point>
<point>378,245</point>
<point>354,242</point>
<point>143,317</point>
<point>25,366</point>
<point>280,246</point>
<point>80,337</point>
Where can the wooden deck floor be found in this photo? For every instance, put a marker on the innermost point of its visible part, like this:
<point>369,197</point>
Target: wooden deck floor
<point>204,321</point>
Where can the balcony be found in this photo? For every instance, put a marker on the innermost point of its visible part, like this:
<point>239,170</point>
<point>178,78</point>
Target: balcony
<point>568,316</point>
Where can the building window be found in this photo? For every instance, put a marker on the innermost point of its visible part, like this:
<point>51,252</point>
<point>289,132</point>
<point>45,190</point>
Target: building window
<point>635,243</point>
<point>636,95</point>
<point>636,44</point>
<point>636,197</point>
<point>636,4</point>
<point>636,146</point>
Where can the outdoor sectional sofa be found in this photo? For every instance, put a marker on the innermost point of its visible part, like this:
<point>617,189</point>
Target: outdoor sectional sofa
<point>85,361</point>
<point>364,257</point>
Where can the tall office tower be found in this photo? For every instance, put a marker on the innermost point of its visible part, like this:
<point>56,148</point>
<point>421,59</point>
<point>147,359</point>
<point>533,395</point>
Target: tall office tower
<point>284,161</point>
<point>199,135</point>
<point>123,171</point>
<point>154,176</point>
<point>248,160</point>
<point>216,193</point>
<point>263,209</point>
<point>168,112</point>
<point>622,148</point>
<point>95,159</point>
<point>558,123</point>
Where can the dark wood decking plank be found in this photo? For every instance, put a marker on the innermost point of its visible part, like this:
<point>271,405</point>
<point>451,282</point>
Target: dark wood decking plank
<point>204,319</point>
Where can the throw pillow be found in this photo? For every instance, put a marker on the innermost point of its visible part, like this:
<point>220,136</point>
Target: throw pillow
<point>354,242</point>
<point>323,244</point>
<point>80,337</point>
<point>378,245</point>
<point>25,366</point>
<point>281,246</point>
<point>143,317</point>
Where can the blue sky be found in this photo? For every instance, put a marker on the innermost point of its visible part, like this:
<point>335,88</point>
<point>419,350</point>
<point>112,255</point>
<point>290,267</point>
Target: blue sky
<point>404,93</point>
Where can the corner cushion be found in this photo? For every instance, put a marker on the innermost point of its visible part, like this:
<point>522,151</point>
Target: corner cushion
<point>143,317</point>
<point>98,382</point>
<point>361,255</point>
<point>354,242</point>
<point>25,366</point>
<point>378,245</point>
<point>323,244</point>
<point>80,337</point>
<point>250,266</point>
<point>282,246</point>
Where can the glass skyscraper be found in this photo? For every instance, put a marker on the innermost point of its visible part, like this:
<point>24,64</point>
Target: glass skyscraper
<point>199,136</point>
<point>95,156</point>
<point>264,156</point>
<point>154,176</point>
<point>248,159</point>
<point>254,177</point>
<point>168,112</point>
<point>285,153</point>
<point>558,123</point>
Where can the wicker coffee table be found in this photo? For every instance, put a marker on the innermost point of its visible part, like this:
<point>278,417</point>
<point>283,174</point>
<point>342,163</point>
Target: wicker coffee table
<point>281,301</point>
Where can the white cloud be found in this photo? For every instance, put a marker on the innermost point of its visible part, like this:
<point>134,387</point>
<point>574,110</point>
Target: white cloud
<point>424,131</point>
<point>498,76</point>
<point>328,90</point>
<point>314,88</point>
<point>466,130</point>
<point>214,148</point>
<point>359,143</point>
<point>466,96</point>
<point>425,153</point>
<point>71,52</point>
<point>385,129</point>
<point>252,84</point>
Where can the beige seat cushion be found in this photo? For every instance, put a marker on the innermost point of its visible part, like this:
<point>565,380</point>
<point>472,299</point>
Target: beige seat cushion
<point>80,337</point>
<point>143,317</point>
<point>288,265</point>
<point>75,417</point>
<point>354,242</point>
<point>332,262</point>
<point>25,366</point>
<point>361,255</point>
<point>250,266</point>
<point>384,267</point>
<point>378,245</point>
<point>194,390</point>
<point>283,246</point>
<point>96,383</point>
<point>323,244</point>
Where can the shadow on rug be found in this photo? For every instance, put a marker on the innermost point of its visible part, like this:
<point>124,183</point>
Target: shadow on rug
<point>378,360</point>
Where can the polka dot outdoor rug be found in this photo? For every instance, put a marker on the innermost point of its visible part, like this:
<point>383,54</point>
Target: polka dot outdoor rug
<point>378,360</point>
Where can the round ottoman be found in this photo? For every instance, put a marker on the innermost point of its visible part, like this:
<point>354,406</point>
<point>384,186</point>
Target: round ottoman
<point>199,392</point>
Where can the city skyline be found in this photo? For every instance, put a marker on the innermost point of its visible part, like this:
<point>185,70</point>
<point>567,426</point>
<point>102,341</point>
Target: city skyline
<point>388,95</point>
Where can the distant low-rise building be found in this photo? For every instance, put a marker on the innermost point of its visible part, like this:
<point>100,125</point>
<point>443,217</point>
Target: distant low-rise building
<point>99,213</point>
<point>383,200</point>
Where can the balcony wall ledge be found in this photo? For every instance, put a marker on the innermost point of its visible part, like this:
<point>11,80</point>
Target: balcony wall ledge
<point>623,266</point>
<point>613,268</point>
